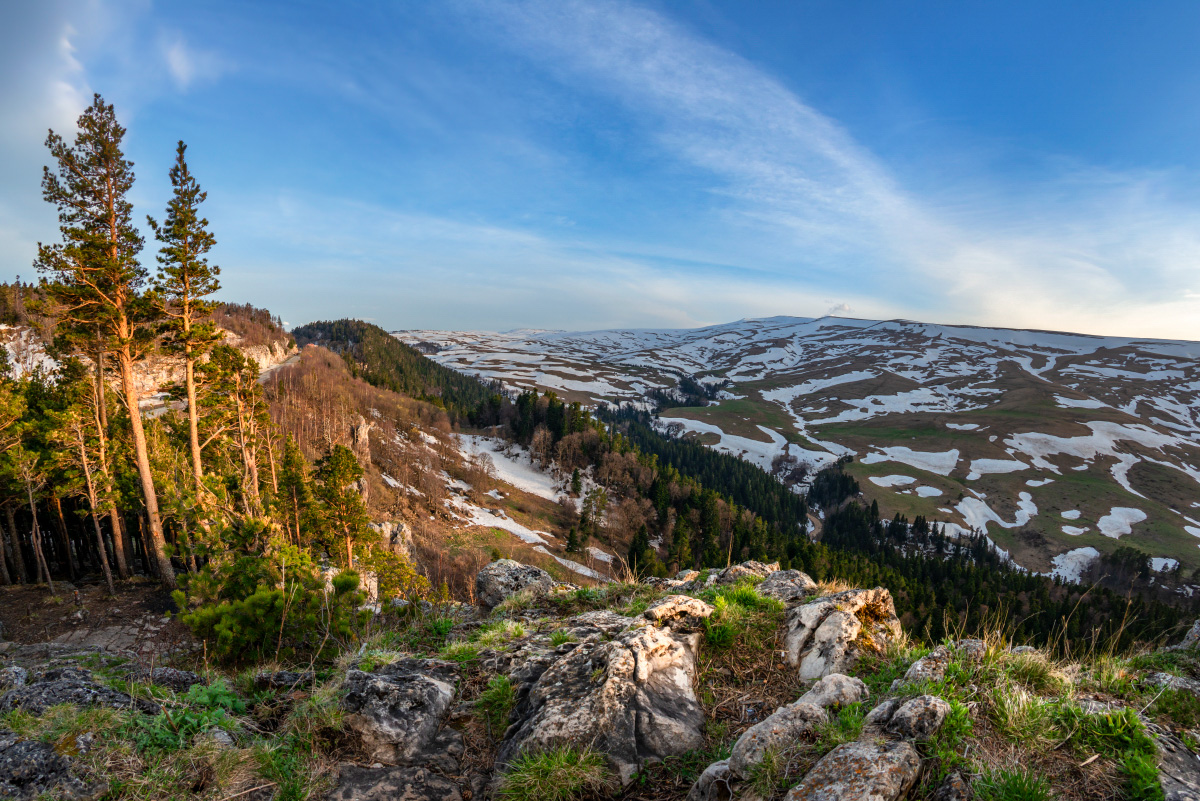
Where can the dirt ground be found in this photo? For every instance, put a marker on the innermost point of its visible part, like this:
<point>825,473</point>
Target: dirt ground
<point>136,620</point>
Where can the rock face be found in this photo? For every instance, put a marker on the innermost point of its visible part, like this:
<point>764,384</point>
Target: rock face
<point>505,577</point>
<point>861,771</point>
<point>788,586</point>
<point>29,768</point>
<point>826,636</point>
<point>398,711</point>
<point>631,698</point>
<point>69,686</point>
<point>393,784</point>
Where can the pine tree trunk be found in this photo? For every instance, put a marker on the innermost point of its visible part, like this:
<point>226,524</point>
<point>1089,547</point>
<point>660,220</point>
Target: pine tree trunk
<point>4,579</point>
<point>193,421</point>
<point>36,536</point>
<point>91,490</point>
<point>121,554</point>
<point>60,523</point>
<point>166,573</point>
<point>21,573</point>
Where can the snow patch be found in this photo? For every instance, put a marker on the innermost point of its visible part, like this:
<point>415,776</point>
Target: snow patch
<point>1069,566</point>
<point>928,492</point>
<point>1071,514</point>
<point>892,481</point>
<point>935,462</point>
<point>1120,521</point>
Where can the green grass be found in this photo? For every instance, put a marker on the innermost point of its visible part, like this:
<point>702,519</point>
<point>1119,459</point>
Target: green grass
<point>1012,785</point>
<point>1141,777</point>
<point>558,638</point>
<point>495,704</point>
<point>559,774</point>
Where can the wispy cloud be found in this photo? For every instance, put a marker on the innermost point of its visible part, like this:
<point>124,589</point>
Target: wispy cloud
<point>188,65</point>
<point>1088,250</point>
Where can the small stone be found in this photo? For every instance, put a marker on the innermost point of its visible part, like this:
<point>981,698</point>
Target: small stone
<point>714,784</point>
<point>952,788</point>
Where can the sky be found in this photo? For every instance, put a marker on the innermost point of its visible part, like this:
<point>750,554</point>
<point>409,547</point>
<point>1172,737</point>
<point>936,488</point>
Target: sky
<point>580,164</point>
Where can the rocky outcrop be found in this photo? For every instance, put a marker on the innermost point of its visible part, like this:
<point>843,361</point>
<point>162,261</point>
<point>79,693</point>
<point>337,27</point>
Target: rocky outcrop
<point>630,698</point>
<point>789,586</point>
<point>69,685</point>
<point>866,770</point>
<point>505,577</point>
<point>1190,641</point>
<point>828,635</point>
<point>398,711</point>
<point>30,769</point>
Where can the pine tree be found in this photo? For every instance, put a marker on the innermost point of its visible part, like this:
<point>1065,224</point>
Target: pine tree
<point>637,550</point>
<point>96,278</point>
<point>572,541</point>
<point>344,511</point>
<point>576,483</point>
<point>295,492</point>
<point>183,286</point>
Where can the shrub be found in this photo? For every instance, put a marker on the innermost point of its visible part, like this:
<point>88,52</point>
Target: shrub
<point>560,774</point>
<point>496,703</point>
<point>173,729</point>
<point>1012,785</point>
<point>268,601</point>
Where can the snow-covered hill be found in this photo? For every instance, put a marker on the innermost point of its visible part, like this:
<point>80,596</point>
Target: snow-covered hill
<point>1058,444</point>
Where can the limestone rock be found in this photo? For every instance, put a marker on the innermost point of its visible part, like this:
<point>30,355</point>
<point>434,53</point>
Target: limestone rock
<point>1178,769</point>
<point>1190,640</point>
<point>398,710</point>
<point>826,635</point>
<point>932,666</point>
<point>783,728</point>
<point>13,676</point>
<point>788,586</point>
<point>678,611</point>
<point>631,698</point>
<point>716,783</point>
<point>1174,682</point>
<point>952,788</point>
<point>69,685</point>
<point>504,577</point>
<point>392,784</point>
<point>836,690</point>
<point>919,718</point>
<point>29,769</point>
<point>866,770</point>
<point>745,570</point>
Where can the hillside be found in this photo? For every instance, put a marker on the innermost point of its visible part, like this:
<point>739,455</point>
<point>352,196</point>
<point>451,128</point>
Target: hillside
<point>1059,446</point>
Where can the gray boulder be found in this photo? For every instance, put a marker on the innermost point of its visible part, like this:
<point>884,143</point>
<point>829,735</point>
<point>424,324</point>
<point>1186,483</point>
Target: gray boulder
<point>932,666</point>
<point>745,570</point>
<point>284,679</point>
<point>788,586</point>
<point>1178,769</point>
<point>1190,640</point>
<point>919,718</point>
<point>13,676</point>
<point>172,678</point>
<point>783,728</point>
<point>836,690</point>
<point>866,770</point>
<point>631,698</point>
<point>952,788</point>
<point>31,769</point>
<point>398,710</point>
<point>716,783</point>
<point>827,635</point>
<point>392,784</point>
<point>1173,682</point>
<point>504,577</point>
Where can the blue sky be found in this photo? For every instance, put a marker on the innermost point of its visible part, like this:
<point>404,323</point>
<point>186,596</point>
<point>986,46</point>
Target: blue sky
<point>574,164</point>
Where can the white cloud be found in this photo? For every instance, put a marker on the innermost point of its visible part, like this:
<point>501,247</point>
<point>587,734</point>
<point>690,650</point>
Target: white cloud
<point>188,65</point>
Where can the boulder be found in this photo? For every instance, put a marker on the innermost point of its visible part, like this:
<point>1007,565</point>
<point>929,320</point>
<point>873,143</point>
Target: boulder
<point>866,770</point>
<point>31,769</point>
<point>398,710</point>
<point>1190,640</point>
<point>783,728</point>
<point>392,784</point>
<point>827,635</point>
<point>932,666</point>
<point>69,685</point>
<point>678,611</point>
<point>1178,769</point>
<point>745,570</point>
<point>952,788</point>
<point>716,783</point>
<point>788,586</point>
<point>631,698</point>
<point>1174,682</point>
<point>504,577</point>
<point>836,690</point>
<point>918,718</point>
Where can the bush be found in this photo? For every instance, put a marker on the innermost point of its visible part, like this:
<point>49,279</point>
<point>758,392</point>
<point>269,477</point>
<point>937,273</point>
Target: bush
<point>172,729</point>
<point>1141,777</point>
<point>273,604</point>
<point>560,774</point>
